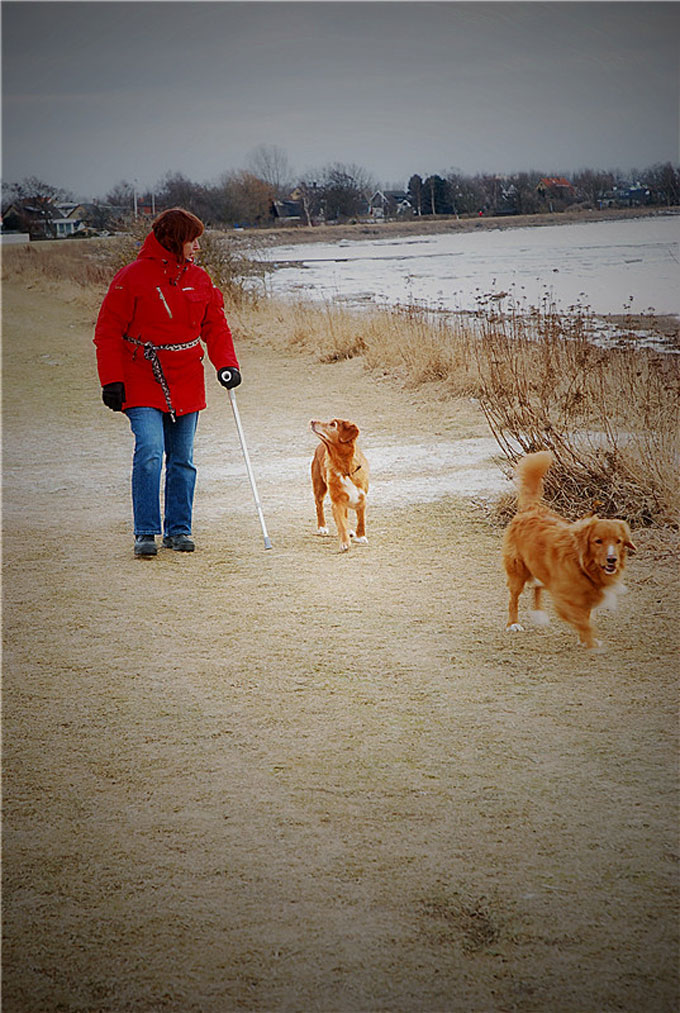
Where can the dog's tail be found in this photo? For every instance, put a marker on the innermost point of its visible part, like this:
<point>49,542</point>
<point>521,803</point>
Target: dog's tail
<point>529,477</point>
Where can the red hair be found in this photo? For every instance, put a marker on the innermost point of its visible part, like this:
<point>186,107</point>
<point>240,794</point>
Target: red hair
<point>175,227</point>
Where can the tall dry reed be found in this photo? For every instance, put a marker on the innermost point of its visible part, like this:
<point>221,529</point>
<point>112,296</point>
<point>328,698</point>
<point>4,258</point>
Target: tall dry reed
<point>610,415</point>
<point>89,263</point>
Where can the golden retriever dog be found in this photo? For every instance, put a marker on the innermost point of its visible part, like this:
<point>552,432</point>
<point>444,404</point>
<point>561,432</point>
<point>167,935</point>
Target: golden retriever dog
<point>340,469</point>
<point>579,563</point>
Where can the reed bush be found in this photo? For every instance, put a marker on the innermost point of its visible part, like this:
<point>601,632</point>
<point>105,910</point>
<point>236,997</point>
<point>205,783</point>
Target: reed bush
<point>240,277</point>
<point>610,415</point>
<point>422,346</point>
<point>329,332</point>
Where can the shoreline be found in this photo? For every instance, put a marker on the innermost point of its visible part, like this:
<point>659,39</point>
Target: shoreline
<point>294,235</point>
<point>657,330</point>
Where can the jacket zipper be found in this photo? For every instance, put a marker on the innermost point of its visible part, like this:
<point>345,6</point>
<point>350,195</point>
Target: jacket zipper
<point>158,289</point>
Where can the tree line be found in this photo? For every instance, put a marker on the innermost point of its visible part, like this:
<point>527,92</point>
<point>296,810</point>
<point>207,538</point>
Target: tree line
<point>267,188</point>
<point>340,193</point>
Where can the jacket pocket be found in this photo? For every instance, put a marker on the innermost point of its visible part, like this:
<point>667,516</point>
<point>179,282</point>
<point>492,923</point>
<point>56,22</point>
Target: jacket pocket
<point>196,305</point>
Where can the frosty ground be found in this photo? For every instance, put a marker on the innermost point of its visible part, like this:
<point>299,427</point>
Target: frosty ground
<point>299,780</point>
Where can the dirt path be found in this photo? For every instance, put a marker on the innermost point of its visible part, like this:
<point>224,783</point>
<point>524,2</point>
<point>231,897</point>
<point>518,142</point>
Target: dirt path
<point>304,781</point>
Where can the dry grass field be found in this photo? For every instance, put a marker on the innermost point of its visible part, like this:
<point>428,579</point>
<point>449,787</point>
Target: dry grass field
<point>299,780</point>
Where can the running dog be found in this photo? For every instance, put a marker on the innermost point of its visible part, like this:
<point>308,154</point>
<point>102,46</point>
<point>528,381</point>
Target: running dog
<point>340,469</point>
<point>580,563</point>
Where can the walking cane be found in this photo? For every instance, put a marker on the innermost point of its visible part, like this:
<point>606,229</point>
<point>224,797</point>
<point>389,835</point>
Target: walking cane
<point>258,505</point>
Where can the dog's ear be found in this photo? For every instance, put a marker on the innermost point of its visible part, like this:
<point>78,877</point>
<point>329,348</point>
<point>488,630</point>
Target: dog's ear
<point>348,431</point>
<point>582,529</point>
<point>627,537</point>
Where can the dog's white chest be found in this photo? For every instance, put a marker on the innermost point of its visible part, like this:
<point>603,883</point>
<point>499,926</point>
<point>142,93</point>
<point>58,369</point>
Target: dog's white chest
<point>354,494</point>
<point>610,600</point>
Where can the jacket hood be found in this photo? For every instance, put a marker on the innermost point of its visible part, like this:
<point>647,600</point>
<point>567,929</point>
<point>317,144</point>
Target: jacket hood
<point>152,249</point>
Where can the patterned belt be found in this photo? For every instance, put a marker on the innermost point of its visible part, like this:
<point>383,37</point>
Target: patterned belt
<point>151,354</point>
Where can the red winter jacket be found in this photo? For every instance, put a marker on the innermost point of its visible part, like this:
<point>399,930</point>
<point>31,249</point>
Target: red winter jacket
<point>159,301</point>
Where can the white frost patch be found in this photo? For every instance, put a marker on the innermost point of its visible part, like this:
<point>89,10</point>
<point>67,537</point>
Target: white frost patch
<point>424,472</point>
<point>400,473</point>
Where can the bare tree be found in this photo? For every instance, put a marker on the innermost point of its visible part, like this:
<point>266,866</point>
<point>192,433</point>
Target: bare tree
<point>526,197</point>
<point>465,197</point>
<point>270,163</point>
<point>592,184</point>
<point>177,190</point>
<point>664,182</point>
<point>246,198</point>
<point>122,195</point>
<point>309,194</point>
<point>345,191</point>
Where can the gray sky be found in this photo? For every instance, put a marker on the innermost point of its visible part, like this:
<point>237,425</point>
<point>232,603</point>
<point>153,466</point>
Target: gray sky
<point>94,93</point>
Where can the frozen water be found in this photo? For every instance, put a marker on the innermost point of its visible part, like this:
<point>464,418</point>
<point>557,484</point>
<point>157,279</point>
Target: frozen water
<point>600,264</point>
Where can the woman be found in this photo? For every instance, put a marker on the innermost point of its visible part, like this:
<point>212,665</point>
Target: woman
<point>149,357</point>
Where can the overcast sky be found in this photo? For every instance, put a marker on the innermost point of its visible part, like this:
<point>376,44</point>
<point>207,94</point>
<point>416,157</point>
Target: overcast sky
<point>94,93</point>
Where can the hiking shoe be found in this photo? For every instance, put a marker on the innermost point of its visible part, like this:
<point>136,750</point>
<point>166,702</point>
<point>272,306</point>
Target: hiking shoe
<point>145,545</point>
<point>180,543</point>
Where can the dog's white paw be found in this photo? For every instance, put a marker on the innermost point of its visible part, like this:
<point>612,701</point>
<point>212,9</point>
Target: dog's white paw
<point>514,628</point>
<point>361,541</point>
<point>539,618</point>
<point>344,546</point>
<point>322,531</point>
<point>597,648</point>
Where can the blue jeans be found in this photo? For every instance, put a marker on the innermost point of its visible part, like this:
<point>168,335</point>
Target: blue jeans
<point>155,435</point>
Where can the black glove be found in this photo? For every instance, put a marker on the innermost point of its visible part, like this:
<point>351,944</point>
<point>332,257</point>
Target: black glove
<point>113,395</point>
<point>229,377</point>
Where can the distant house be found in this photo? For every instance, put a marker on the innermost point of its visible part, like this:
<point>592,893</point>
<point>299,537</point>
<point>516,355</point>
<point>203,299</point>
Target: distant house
<point>626,195</point>
<point>12,228</point>
<point>287,211</point>
<point>65,221</point>
<point>307,203</point>
<point>556,186</point>
<point>40,218</point>
<point>390,204</point>
<point>556,191</point>
<point>508,200</point>
<point>13,219</point>
<point>96,217</point>
<point>43,218</point>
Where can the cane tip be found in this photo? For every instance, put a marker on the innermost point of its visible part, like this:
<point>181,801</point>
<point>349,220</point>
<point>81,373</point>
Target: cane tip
<point>268,543</point>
